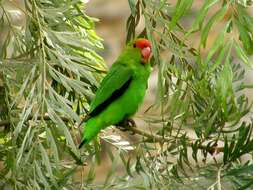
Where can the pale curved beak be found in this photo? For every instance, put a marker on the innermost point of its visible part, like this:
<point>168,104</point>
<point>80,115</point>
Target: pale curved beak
<point>145,52</point>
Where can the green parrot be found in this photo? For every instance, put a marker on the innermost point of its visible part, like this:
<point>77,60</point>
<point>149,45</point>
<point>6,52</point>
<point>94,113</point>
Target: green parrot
<point>121,91</point>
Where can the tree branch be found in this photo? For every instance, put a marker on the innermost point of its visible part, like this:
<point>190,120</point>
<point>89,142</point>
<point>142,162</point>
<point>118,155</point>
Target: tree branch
<point>214,149</point>
<point>150,136</point>
<point>4,123</point>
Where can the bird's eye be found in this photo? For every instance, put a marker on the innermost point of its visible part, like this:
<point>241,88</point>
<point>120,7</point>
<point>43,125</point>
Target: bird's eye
<point>134,45</point>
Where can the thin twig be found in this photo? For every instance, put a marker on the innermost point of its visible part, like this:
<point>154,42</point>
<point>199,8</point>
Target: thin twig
<point>4,123</point>
<point>151,136</point>
<point>161,139</point>
<point>219,179</point>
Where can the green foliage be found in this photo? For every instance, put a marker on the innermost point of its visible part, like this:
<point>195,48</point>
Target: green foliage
<point>49,71</point>
<point>199,128</point>
<point>204,114</point>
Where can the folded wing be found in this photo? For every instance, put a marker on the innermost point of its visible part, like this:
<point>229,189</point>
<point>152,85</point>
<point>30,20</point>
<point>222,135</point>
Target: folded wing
<point>113,86</point>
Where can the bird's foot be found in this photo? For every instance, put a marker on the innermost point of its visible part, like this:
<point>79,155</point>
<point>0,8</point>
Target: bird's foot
<point>126,124</point>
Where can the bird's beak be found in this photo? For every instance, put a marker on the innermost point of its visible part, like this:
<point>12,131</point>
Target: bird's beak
<point>145,53</point>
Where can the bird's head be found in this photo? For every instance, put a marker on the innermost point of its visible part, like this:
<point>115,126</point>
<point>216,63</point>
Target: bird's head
<point>145,47</point>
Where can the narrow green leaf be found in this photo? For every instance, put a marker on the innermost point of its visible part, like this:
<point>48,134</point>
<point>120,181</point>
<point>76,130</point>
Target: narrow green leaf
<point>198,21</point>
<point>245,36</point>
<point>181,8</point>
<point>52,145</point>
<point>219,41</point>
<point>23,146</point>
<point>63,103</point>
<point>215,18</point>
<point>241,170</point>
<point>132,4</point>
<point>242,55</point>
<point>27,110</point>
<point>42,178</point>
<point>45,160</point>
<point>58,121</point>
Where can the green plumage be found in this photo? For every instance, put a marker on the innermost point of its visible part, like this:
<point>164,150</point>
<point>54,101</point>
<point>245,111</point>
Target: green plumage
<point>120,93</point>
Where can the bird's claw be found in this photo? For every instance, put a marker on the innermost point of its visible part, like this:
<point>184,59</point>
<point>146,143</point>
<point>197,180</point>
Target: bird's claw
<point>131,124</point>
<point>126,125</point>
<point>121,127</point>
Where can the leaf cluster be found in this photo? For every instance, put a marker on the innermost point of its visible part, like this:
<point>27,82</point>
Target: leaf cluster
<point>49,71</point>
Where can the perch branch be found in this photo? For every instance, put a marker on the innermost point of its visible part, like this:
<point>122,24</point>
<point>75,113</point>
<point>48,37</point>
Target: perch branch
<point>214,149</point>
<point>134,130</point>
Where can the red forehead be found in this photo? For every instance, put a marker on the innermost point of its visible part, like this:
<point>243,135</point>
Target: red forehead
<point>142,43</point>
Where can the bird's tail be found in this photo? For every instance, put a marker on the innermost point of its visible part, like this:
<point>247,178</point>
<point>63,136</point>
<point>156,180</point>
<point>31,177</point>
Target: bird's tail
<point>91,129</point>
<point>82,143</point>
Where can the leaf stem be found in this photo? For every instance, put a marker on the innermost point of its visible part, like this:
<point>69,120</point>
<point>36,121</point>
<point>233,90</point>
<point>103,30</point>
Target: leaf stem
<point>43,57</point>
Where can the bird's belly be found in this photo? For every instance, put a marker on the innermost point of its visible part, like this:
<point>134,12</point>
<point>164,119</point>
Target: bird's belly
<point>125,106</point>
<point>132,101</point>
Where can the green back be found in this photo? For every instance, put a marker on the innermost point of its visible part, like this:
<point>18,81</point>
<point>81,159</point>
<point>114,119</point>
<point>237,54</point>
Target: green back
<point>127,67</point>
